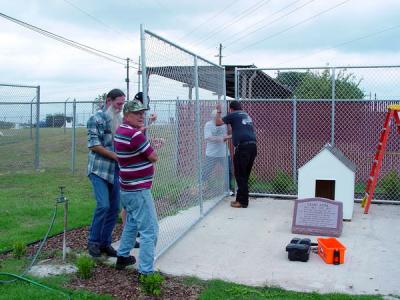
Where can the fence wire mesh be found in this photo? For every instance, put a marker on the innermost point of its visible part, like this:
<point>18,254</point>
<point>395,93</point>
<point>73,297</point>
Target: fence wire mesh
<point>183,90</point>
<point>18,113</point>
<point>297,111</point>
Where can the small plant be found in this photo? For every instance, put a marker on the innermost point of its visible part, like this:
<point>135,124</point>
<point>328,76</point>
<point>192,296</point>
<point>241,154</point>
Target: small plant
<point>85,265</point>
<point>151,283</point>
<point>19,249</point>
<point>282,183</point>
<point>390,185</point>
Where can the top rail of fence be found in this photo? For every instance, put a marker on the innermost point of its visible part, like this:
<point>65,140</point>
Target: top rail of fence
<point>18,85</point>
<point>182,49</point>
<point>320,68</point>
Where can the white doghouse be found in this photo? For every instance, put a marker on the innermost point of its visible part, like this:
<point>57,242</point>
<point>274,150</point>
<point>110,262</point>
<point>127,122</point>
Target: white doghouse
<point>329,174</point>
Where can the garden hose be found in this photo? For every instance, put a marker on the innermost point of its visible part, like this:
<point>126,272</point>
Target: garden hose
<point>31,282</point>
<point>21,276</point>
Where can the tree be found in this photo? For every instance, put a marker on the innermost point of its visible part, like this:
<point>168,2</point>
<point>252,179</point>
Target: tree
<point>6,125</point>
<point>56,120</point>
<point>315,85</point>
<point>100,100</point>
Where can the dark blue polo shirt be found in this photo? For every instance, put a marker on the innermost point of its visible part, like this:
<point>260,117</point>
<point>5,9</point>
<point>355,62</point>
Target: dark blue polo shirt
<point>242,127</point>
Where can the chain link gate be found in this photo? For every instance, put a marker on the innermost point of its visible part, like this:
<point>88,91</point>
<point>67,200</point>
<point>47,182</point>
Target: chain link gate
<point>297,111</point>
<point>183,89</point>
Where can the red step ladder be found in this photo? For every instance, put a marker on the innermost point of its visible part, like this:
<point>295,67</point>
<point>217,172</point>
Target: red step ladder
<point>393,112</point>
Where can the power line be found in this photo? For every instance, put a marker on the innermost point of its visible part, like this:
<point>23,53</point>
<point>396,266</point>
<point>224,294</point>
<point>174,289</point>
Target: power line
<point>270,23</point>
<point>88,49</point>
<point>235,20</point>
<point>98,21</point>
<point>342,44</point>
<point>210,18</point>
<point>290,27</point>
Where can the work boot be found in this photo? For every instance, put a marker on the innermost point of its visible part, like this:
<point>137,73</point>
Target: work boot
<point>109,251</point>
<point>94,250</point>
<point>237,204</point>
<point>123,262</point>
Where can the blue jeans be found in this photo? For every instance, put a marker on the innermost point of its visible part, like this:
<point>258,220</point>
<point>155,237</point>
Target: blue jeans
<point>141,217</point>
<point>106,211</point>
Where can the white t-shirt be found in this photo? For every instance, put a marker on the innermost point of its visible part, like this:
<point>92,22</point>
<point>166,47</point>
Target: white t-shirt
<point>214,136</point>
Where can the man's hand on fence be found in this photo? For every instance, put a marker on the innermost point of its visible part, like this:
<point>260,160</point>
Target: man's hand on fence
<point>152,118</point>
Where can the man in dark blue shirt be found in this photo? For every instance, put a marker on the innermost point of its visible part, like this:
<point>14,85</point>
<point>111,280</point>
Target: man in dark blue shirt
<point>244,141</point>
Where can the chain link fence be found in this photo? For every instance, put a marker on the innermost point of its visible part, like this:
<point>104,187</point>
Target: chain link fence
<point>183,89</point>
<point>297,111</point>
<point>19,112</point>
<point>42,135</point>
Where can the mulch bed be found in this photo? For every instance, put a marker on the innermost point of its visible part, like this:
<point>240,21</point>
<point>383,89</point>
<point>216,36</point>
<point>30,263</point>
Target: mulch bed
<point>107,280</point>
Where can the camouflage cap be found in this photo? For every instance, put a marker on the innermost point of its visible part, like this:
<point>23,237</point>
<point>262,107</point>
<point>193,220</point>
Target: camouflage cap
<point>133,106</point>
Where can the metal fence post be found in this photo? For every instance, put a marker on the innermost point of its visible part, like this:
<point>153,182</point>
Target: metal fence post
<point>333,108</point>
<point>236,83</point>
<point>144,70</point>
<point>227,160</point>
<point>31,119</point>
<point>37,141</point>
<point>294,137</point>
<point>65,114</point>
<point>73,148</point>
<point>198,133</point>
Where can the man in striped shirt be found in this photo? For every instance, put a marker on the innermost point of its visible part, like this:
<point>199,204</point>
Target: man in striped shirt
<point>135,159</point>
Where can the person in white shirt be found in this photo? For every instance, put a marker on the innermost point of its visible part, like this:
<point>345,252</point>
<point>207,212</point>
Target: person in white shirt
<point>216,148</point>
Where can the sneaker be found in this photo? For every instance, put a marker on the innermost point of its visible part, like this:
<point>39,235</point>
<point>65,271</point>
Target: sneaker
<point>231,193</point>
<point>109,251</point>
<point>123,262</point>
<point>94,250</point>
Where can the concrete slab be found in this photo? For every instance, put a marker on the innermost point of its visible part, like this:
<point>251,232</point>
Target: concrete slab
<point>45,270</point>
<point>248,246</point>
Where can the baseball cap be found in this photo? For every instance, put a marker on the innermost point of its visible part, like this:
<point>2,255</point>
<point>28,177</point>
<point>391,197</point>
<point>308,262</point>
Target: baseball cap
<point>139,97</point>
<point>134,106</point>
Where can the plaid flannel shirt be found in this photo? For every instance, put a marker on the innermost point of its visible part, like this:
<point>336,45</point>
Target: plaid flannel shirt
<point>99,133</point>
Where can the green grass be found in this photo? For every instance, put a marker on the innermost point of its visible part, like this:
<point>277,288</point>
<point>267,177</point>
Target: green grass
<point>220,290</point>
<point>22,290</point>
<point>27,202</point>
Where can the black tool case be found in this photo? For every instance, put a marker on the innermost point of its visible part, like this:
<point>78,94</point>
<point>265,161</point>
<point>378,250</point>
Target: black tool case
<point>299,249</point>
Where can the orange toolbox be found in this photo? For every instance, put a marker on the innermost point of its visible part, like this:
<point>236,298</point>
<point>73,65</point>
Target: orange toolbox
<point>331,250</point>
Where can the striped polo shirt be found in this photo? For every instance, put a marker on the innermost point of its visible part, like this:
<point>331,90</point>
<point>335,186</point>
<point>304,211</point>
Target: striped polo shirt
<point>133,149</point>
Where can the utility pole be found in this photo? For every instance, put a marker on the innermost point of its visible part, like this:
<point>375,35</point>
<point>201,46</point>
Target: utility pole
<point>139,72</point>
<point>127,78</point>
<point>219,55</point>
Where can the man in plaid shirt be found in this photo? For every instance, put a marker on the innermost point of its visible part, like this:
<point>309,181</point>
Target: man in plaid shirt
<point>103,173</point>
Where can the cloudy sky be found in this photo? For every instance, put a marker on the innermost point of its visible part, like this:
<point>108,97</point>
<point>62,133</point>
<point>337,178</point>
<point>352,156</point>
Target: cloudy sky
<point>268,33</point>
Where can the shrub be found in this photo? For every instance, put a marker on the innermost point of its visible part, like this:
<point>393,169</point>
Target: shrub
<point>390,185</point>
<point>282,183</point>
<point>19,249</point>
<point>151,284</point>
<point>85,265</point>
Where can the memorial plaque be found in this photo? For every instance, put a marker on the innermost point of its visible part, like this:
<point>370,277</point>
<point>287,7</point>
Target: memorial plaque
<point>318,216</point>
